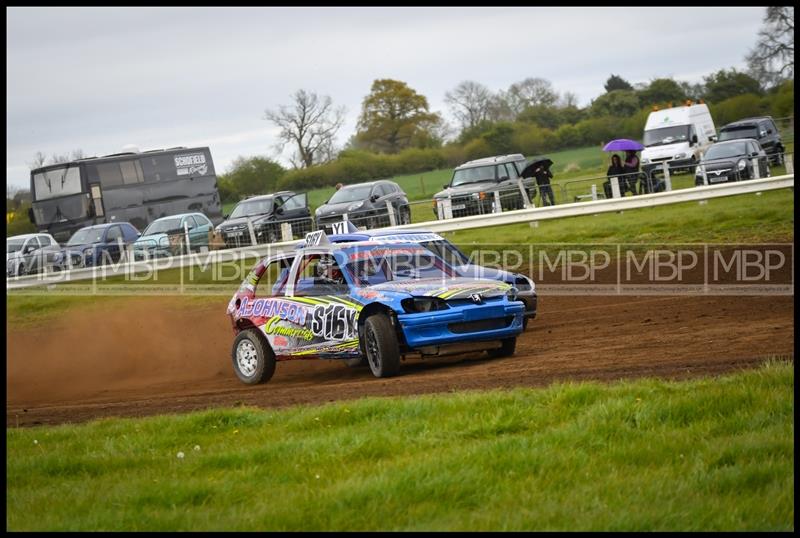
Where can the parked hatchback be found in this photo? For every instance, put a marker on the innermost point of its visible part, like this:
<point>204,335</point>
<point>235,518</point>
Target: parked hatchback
<point>761,129</point>
<point>365,204</point>
<point>732,161</point>
<point>30,253</point>
<point>167,236</point>
<point>96,245</point>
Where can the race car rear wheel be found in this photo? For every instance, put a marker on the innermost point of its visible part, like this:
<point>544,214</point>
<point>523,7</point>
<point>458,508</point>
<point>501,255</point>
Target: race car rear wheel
<point>505,350</point>
<point>253,360</point>
<point>383,350</point>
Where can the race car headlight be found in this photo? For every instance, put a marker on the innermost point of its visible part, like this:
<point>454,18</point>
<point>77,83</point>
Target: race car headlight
<point>742,165</point>
<point>512,294</point>
<point>680,156</point>
<point>423,304</point>
<point>645,160</point>
<point>353,207</point>
<point>164,241</point>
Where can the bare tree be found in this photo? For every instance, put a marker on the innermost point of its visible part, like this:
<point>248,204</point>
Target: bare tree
<point>531,92</point>
<point>469,103</point>
<point>568,99</point>
<point>772,59</point>
<point>499,108</point>
<point>310,123</point>
<point>77,154</point>
<point>38,160</point>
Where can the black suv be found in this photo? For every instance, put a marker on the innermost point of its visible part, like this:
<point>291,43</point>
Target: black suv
<point>365,205</point>
<point>763,130</point>
<point>266,213</point>
<point>472,187</point>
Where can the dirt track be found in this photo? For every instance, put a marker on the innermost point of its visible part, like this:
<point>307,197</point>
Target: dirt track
<point>107,365</point>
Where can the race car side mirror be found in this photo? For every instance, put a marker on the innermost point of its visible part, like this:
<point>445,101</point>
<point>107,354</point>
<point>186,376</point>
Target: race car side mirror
<point>225,217</point>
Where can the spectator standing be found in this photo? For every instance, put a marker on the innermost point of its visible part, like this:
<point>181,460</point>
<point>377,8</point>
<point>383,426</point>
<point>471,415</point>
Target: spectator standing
<point>543,176</point>
<point>631,171</point>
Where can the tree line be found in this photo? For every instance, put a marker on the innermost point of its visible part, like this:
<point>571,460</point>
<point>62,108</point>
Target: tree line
<point>397,133</point>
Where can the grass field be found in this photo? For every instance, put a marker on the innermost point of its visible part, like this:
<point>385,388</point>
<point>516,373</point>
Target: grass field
<point>705,455</point>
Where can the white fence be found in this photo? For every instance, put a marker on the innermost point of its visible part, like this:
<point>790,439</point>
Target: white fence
<point>450,225</point>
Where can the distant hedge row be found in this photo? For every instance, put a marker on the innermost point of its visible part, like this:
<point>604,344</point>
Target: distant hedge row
<point>530,139</point>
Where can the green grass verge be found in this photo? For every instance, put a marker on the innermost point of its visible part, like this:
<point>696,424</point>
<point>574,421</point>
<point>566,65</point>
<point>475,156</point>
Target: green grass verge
<point>710,454</point>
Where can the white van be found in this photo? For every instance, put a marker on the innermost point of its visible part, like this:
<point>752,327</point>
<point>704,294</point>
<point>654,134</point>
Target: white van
<point>679,135</point>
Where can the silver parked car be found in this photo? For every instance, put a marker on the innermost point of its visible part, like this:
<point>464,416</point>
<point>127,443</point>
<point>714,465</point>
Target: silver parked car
<point>30,253</point>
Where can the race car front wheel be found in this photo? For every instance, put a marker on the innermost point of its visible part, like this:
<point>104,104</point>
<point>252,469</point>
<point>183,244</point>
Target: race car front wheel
<point>505,350</point>
<point>253,360</point>
<point>383,350</point>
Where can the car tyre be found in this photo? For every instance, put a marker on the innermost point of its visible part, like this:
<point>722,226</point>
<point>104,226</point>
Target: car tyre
<point>507,348</point>
<point>253,359</point>
<point>381,346</point>
<point>525,322</point>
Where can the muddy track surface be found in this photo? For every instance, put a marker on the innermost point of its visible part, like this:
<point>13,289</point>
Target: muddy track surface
<point>140,359</point>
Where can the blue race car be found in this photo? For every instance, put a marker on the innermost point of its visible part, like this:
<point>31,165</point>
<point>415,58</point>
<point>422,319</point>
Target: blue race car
<point>526,288</point>
<point>368,302</point>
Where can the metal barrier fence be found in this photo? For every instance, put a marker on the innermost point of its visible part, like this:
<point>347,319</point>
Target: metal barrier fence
<point>525,195</point>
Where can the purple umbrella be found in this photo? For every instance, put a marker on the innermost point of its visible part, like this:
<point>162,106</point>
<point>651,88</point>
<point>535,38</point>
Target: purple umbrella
<point>623,144</point>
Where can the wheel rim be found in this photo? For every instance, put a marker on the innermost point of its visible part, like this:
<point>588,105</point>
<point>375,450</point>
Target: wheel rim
<point>372,349</point>
<point>246,357</point>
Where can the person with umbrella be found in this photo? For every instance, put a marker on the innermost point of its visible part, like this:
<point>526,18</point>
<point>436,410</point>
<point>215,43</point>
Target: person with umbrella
<point>630,170</point>
<point>540,169</point>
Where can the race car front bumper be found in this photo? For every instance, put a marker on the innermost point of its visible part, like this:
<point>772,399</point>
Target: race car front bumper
<point>466,324</point>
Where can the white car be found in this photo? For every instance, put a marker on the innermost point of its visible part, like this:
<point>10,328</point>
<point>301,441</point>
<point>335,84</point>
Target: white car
<point>30,253</point>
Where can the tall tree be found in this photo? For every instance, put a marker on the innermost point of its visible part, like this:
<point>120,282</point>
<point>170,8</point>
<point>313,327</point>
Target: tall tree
<point>772,59</point>
<point>469,102</point>
<point>616,82</point>
<point>394,117</point>
<point>309,123</point>
<point>531,92</point>
<point>662,90</point>
<point>725,84</point>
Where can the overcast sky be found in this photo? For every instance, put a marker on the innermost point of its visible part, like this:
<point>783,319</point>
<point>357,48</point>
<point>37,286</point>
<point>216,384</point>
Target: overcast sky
<point>101,78</point>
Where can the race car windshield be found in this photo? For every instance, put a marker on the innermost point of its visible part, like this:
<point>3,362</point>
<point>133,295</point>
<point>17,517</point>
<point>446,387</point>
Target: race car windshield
<point>396,266</point>
<point>725,151</point>
<point>14,245</point>
<point>86,236</point>
<point>350,194</point>
<point>162,226</point>
<point>249,209</point>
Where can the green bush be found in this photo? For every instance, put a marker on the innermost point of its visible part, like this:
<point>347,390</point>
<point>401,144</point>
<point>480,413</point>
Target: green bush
<point>477,149</point>
<point>737,108</point>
